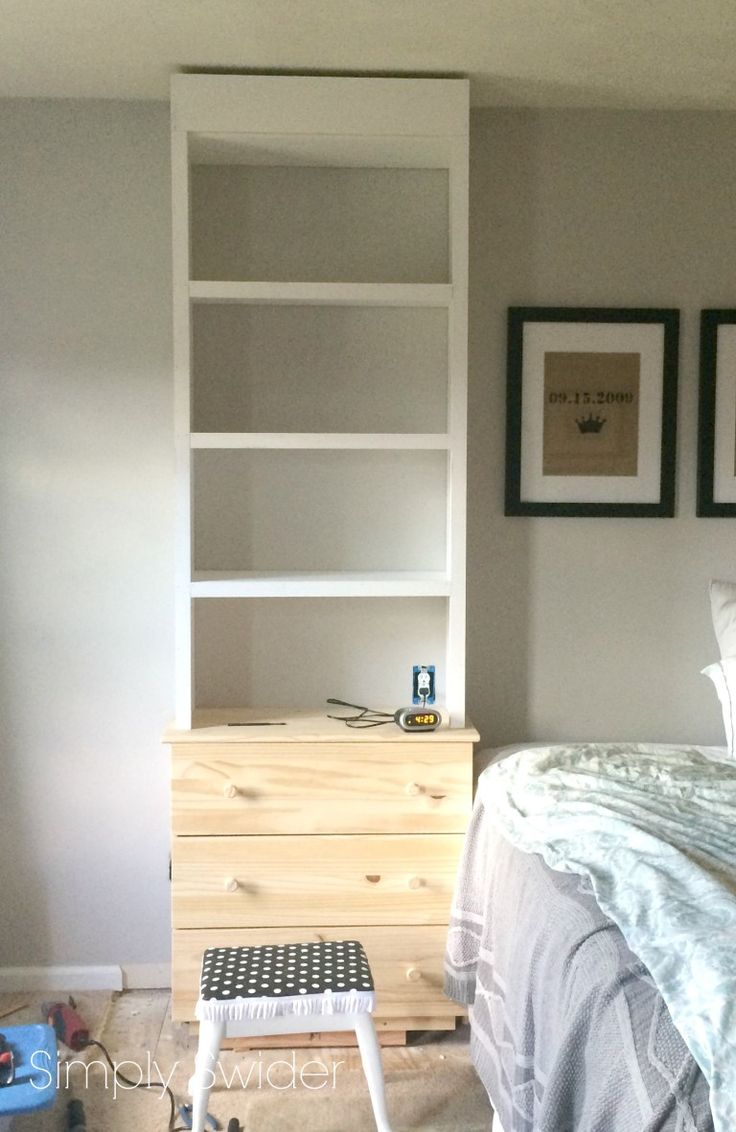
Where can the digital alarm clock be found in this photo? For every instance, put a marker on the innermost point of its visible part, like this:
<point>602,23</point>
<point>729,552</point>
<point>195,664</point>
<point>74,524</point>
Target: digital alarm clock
<point>417,719</point>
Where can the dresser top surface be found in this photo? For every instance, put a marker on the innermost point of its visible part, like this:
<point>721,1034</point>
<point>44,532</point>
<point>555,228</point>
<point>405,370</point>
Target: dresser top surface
<point>264,725</point>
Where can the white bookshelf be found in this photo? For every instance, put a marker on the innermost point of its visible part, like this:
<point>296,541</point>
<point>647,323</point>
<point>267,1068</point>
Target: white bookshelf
<point>320,307</point>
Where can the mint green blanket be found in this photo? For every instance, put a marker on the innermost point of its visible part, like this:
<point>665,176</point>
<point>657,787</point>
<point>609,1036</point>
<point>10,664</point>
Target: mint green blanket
<point>654,828</point>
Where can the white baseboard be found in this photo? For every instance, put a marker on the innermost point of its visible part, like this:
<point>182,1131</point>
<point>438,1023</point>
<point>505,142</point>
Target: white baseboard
<point>146,976</point>
<point>130,976</point>
<point>58,978</point>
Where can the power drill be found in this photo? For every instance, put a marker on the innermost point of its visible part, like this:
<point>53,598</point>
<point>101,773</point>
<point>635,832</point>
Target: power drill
<point>67,1024</point>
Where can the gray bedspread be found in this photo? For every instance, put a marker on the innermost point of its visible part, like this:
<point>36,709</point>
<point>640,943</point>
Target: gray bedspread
<point>569,1033</point>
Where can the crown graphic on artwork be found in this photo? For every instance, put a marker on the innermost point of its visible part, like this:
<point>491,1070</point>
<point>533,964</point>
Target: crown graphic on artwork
<point>590,423</point>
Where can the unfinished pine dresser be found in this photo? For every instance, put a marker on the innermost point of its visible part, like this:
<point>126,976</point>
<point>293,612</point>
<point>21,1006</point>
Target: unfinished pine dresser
<point>307,830</point>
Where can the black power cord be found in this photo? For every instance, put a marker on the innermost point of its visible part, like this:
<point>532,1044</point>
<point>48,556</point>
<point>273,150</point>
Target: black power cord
<point>367,717</point>
<point>140,1085</point>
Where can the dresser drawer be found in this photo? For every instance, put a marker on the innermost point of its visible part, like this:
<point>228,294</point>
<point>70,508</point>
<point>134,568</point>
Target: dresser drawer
<point>245,882</point>
<point>255,788</point>
<point>407,963</point>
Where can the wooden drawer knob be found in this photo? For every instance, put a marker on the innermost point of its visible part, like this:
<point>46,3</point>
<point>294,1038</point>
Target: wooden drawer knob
<point>232,884</point>
<point>412,789</point>
<point>415,882</point>
<point>413,974</point>
<point>230,790</point>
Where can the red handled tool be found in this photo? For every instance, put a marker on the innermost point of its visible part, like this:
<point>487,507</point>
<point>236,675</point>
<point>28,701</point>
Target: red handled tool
<point>67,1024</point>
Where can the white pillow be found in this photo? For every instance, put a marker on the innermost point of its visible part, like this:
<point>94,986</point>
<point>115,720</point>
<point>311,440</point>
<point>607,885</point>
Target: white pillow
<point>723,610</point>
<point>723,675</point>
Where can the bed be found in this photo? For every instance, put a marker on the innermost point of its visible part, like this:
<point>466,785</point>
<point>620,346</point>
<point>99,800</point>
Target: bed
<point>570,1031</point>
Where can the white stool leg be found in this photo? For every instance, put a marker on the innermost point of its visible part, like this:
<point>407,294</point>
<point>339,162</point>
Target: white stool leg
<point>370,1055</point>
<point>200,1085</point>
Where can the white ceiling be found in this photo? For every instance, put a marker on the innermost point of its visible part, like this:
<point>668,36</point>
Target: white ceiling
<point>598,53</point>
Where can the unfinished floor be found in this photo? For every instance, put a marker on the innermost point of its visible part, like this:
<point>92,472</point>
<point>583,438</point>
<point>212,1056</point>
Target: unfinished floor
<point>430,1082</point>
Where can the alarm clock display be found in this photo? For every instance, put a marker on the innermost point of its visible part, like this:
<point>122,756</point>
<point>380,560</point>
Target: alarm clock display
<point>417,719</point>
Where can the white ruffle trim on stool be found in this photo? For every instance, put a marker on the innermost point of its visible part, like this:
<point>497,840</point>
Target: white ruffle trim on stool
<point>302,1005</point>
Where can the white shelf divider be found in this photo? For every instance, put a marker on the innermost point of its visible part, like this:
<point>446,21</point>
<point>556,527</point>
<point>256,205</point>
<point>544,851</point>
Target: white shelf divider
<point>338,584</point>
<point>323,294</point>
<point>429,441</point>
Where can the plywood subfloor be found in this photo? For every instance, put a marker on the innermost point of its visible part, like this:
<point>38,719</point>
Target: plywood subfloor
<point>430,1083</point>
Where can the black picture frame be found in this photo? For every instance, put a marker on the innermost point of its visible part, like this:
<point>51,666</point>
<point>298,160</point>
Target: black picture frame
<point>716,417</point>
<point>574,328</point>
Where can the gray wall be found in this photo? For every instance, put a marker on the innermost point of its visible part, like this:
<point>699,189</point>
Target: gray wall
<point>579,628</point>
<point>594,628</point>
<point>86,559</point>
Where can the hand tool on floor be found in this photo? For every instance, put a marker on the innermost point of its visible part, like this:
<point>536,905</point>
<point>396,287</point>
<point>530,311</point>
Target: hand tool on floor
<point>69,1027</point>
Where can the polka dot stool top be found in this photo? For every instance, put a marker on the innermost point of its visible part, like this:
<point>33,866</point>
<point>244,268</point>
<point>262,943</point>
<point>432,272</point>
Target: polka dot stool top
<point>294,978</point>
